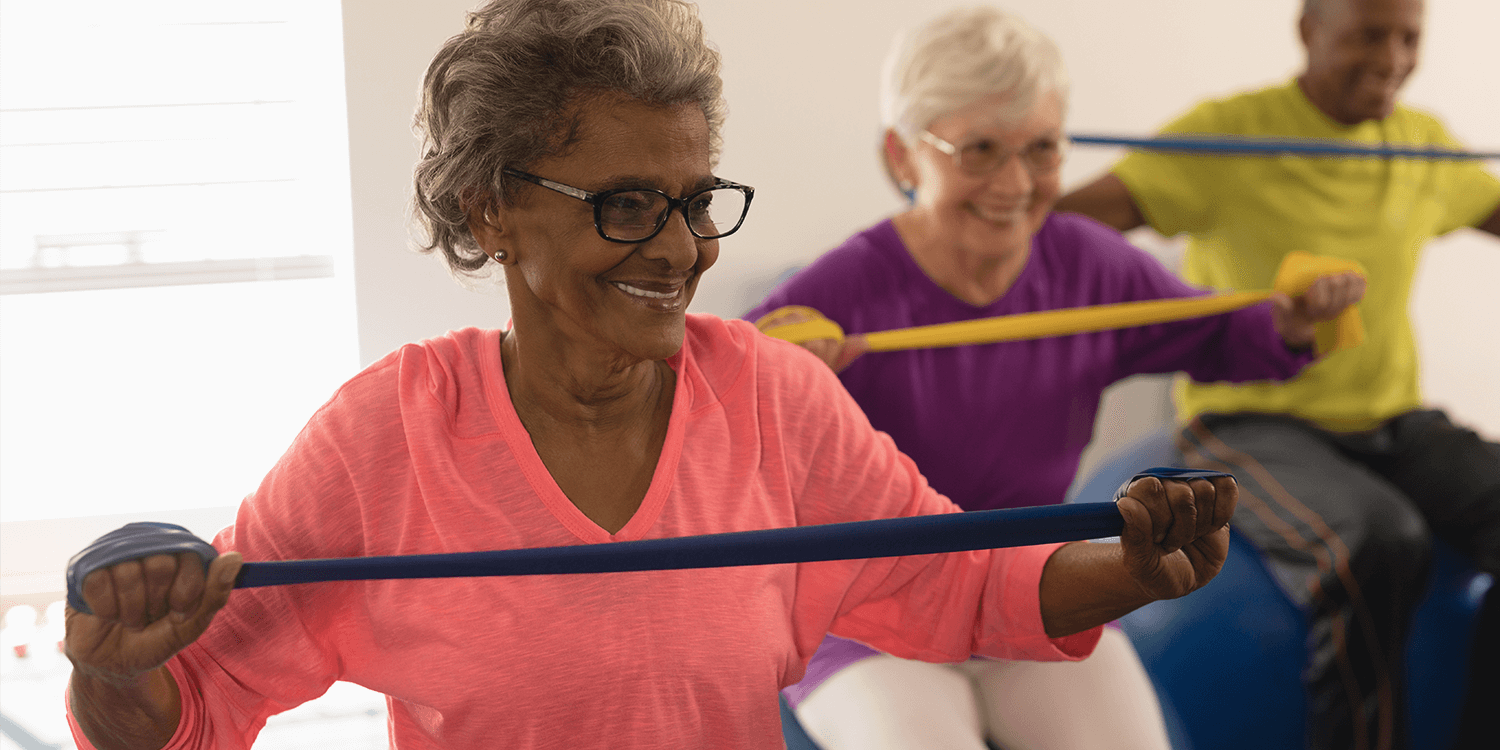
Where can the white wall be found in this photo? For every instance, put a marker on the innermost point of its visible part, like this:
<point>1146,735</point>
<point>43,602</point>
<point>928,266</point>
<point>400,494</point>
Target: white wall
<point>401,295</point>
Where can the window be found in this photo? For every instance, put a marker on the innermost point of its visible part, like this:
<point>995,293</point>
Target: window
<point>175,295</point>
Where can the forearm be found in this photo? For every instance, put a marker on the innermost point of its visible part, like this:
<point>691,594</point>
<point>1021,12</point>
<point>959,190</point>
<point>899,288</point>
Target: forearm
<point>1085,585</point>
<point>1105,200</point>
<point>137,715</point>
<point>1247,347</point>
<point>1492,224</point>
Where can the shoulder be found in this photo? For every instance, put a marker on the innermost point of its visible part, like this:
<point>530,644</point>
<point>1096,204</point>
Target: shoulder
<point>845,277</point>
<point>445,375</point>
<point>1096,260</point>
<point>727,352</point>
<point>1415,125</point>
<point>1077,242</point>
<point>716,347</point>
<point>445,365</point>
<point>1078,232</point>
<point>1236,113</point>
<point>359,447</point>
<point>856,252</point>
<point>733,364</point>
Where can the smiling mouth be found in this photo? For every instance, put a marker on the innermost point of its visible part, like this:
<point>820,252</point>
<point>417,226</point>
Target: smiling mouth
<point>636,291</point>
<point>1011,216</point>
<point>1383,86</point>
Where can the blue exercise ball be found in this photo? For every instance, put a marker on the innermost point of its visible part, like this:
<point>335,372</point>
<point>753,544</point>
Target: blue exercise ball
<point>1227,659</point>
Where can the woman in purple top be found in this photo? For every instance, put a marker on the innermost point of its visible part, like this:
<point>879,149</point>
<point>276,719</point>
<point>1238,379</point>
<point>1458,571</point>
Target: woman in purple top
<point>973,104</point>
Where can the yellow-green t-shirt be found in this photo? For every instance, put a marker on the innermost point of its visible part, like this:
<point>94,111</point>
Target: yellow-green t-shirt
<point>1243,214</point>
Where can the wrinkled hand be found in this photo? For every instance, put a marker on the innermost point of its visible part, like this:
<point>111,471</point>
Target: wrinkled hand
<point>1296,318</point>
<point>1176,533</point>
<point>834,353</point>
<point>145,611</point>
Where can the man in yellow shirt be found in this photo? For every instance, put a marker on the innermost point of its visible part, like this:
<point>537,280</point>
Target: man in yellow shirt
<point>1345,477</point>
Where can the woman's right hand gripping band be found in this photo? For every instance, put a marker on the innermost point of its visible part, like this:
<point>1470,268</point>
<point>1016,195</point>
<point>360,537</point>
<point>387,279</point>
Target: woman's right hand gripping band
<point>140,594</point>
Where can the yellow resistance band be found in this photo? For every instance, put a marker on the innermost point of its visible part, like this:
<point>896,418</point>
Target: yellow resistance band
<point>1298,271</point>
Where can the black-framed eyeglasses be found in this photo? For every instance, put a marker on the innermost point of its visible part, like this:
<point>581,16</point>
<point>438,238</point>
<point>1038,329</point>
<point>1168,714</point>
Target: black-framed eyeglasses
<point>638,214</point>
<point>986,155</point>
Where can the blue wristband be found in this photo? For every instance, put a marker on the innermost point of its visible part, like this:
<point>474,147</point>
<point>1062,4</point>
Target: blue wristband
<point>132,541</point>
<point>1170,472</point>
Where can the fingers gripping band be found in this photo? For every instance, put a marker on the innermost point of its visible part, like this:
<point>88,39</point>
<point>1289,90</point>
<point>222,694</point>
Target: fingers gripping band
<point>131,542</point>
<point>1168,472</point>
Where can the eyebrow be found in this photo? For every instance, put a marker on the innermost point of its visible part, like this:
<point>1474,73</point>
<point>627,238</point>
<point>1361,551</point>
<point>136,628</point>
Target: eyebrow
<point>633,182</point>
<point>991,139</point>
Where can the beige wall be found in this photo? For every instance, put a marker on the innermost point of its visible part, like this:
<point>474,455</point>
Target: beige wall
<point>400,295</point>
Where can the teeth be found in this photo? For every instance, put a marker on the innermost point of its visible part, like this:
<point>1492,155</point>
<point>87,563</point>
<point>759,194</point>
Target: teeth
<point>628,289</point>
<point>1000,216</point>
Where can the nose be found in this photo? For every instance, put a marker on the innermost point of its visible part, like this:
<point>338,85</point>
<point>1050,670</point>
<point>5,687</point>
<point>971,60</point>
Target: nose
<point>1012,177</point>
<point>673,244</point>
<point>1395,55</point>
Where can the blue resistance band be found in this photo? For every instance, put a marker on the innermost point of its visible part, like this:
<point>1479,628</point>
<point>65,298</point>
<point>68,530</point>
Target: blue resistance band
<point>889,537</point>
<point>1223,144</point>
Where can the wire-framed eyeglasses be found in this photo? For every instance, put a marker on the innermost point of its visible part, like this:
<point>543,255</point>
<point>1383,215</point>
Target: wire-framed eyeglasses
<point>638,214</point>
<point>985,155</point>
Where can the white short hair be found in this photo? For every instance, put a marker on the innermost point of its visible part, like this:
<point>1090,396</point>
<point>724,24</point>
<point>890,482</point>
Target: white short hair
<point>961,57</point>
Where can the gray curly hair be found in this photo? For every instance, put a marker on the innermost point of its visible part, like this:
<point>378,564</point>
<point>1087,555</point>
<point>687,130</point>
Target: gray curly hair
<point>503,92</point>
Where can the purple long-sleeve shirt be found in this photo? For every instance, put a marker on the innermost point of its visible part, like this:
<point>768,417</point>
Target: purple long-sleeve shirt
<point>1003,425</point>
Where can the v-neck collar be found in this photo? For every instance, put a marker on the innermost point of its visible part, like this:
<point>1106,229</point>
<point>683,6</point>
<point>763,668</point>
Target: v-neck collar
<point>541,481</point>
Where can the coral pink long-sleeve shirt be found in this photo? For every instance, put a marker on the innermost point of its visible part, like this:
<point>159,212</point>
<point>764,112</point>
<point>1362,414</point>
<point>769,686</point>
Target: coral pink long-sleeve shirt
<point>423,453</point>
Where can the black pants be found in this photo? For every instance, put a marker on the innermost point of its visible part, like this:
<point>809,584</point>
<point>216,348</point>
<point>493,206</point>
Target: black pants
<point>1346,523</point>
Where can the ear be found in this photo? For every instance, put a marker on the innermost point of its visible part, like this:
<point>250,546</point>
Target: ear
<point>1304,29</point>
<point>898,161</point>
<point>486,223</point>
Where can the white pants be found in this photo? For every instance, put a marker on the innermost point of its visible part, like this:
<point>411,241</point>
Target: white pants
<point>886,703</point>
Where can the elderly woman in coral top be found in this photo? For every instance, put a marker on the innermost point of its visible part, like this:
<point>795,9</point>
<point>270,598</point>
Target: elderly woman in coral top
<point>973,104</point>
<point>570,145</point>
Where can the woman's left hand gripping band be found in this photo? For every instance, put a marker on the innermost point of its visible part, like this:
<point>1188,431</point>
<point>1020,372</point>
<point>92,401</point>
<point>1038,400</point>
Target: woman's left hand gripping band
<point>1176,534</point>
